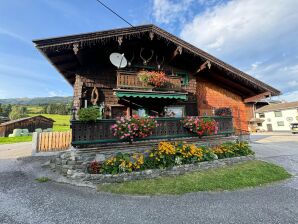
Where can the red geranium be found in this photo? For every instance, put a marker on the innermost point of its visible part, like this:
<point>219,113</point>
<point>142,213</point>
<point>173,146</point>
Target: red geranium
<point>201,126</point>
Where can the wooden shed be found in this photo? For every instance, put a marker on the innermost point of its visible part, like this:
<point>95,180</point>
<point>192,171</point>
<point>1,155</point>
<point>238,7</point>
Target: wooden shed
<point>30,123</point>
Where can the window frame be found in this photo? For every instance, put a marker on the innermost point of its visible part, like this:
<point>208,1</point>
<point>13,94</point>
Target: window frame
<point>184,77</point>
<point>277,111</point>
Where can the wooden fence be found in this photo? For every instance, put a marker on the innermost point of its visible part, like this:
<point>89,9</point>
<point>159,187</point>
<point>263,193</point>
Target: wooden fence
<point>51,141</point>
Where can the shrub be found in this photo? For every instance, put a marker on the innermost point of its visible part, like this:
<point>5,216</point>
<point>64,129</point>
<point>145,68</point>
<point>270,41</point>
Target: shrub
<point>200,126</point>
<point>88,114</point>
<point>123,163</point>
<point>94,167</point>
<point>168,154</point>
<point>133,127</point>
<point>231,149</point>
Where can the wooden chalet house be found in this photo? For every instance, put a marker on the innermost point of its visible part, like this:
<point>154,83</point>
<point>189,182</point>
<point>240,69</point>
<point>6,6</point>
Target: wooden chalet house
<point>198,82</point>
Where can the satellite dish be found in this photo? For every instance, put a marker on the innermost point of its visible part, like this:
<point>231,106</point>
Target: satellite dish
<point>118,60</point>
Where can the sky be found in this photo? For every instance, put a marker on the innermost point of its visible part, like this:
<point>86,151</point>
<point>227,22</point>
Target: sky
<point>257,37</point>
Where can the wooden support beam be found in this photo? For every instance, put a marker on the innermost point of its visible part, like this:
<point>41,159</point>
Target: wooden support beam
<point>206,64</point>
<point>177,51</point>
<point>258,97</point>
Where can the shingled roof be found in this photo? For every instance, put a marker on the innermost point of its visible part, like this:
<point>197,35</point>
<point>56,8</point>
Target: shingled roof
<point>66,42</point>
<point>278,106</point>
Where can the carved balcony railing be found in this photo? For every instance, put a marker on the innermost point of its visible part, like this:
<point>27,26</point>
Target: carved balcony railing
<point>85,134</point>
<point>130,80</point>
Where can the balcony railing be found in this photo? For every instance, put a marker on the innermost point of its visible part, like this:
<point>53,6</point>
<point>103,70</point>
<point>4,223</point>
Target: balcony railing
<point>131,81</point>
<point>96,133</point>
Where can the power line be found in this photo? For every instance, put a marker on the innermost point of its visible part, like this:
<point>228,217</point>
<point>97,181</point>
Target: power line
<point>107,7</point>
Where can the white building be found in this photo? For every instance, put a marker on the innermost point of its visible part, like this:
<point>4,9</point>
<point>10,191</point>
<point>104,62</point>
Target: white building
<point>277,117</point>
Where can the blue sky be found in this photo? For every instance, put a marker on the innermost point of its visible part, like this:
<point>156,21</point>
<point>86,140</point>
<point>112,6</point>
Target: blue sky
<point>258,37</point>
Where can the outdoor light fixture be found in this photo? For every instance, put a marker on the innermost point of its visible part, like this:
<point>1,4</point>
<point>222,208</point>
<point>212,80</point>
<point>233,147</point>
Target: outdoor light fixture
<point>73,110</point>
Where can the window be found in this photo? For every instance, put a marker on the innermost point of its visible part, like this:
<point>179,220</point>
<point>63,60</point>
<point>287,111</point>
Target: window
<point>259,124</point>
<point>142,112</point>
<point>262,115</point>
<point>280,123</point>
<point>277,114</point>
<point>174,111</point>
<point>184,78</point>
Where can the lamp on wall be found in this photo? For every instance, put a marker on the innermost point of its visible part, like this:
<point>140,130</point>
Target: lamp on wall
<point>73,110</point>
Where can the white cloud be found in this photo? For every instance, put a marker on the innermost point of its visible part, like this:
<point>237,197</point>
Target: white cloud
<point>14,35</point>
<point>168,11</point>
<point>262,34</point>
<point>239,22</point>
<point>57,93</point>
<point>289,97</point>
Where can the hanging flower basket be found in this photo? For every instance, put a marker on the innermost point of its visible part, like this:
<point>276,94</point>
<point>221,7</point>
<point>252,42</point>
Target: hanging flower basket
<point>130,128</point>
<point>152,78</point>
<point>200,126</point>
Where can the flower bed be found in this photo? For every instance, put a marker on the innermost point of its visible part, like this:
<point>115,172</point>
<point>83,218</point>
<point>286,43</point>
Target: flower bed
<point>166,155</point>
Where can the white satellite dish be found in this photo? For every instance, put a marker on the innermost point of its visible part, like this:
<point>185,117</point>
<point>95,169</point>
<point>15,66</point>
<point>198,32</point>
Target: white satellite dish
<point>118,60</point>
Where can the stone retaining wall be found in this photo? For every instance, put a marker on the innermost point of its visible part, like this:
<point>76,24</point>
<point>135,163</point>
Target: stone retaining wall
<point>78,159</point>
<point>156,173</point>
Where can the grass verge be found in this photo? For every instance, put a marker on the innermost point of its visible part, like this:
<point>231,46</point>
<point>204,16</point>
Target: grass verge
<point>248,174</point>
<point>42,179</point>
<point>7,140</point>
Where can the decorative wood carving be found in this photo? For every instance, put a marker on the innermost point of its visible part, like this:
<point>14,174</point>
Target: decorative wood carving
<point>177,51</point>
<point>151,35</point>
<point>120,40</point>
<point>204,65</point>
<point>75,48</point>
<point>255,98</point>
<point>94,96</point>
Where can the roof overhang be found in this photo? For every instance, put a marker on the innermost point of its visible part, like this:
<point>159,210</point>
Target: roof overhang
<point>60,51</point>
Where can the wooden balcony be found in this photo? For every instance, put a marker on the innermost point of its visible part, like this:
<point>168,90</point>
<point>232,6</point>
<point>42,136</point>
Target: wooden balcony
<point>129,80</point>
<point>89,134</point>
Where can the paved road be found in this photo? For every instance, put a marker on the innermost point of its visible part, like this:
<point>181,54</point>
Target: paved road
<point>22,200</point>
<point>15,150</point>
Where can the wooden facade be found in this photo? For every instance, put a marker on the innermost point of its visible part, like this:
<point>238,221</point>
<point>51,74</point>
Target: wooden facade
<point>199,82</point>
<point>30,123</point>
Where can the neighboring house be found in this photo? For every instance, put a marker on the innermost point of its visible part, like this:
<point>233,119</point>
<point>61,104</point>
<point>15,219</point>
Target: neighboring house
<point>199,82</point>
<point>277,117</point>
<point>30,123</point>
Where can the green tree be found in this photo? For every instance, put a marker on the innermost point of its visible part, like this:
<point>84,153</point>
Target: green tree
<point>6,109</point>
<point>18,112</point>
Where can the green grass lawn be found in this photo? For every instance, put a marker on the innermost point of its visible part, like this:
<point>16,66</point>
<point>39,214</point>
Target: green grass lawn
<point>248,174</point>
<point>6,140</point>
<point>62,122</point>
<point>34,109</point>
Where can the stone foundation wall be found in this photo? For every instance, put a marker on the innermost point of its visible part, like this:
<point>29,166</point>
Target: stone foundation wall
<point>73,163</point>
<point>155,173</point>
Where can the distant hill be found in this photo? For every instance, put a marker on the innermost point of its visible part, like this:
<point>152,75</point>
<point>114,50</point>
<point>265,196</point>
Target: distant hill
<point>37,100</point>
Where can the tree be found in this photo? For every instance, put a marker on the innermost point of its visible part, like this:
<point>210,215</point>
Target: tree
<point>18,112</point>
<point>6,109</point>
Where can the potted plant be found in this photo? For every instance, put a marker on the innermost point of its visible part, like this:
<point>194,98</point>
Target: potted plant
<point>130,128</point>
<point>153,78</point>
